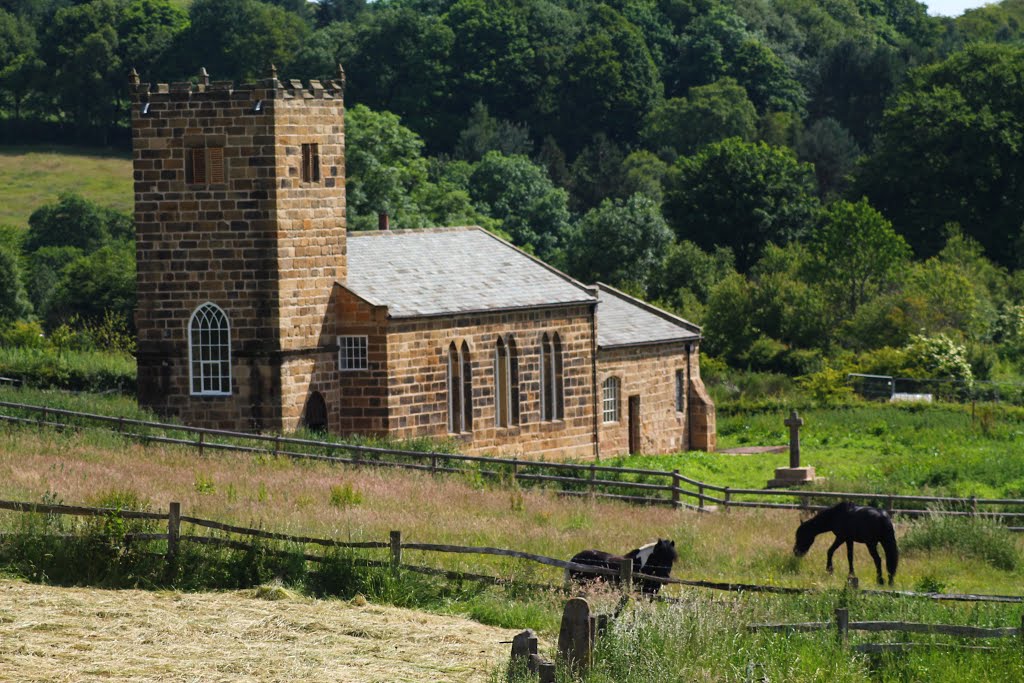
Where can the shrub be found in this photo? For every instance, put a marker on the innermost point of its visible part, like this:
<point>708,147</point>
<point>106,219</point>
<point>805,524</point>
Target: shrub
<point>827,386</point>
<point>976,537</point>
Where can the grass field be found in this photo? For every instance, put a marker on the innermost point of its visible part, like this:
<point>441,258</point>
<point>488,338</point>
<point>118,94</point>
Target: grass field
<point>703,637</point>
<point>33,176</point>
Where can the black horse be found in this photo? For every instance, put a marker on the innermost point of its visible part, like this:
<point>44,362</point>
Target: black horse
<point>852,524</point>
<point>654,559</point>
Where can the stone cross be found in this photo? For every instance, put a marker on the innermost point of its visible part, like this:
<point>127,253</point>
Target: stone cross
<point>794,422</point>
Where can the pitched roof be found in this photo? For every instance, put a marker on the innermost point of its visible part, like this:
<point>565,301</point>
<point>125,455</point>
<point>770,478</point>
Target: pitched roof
<point>439,271</point>
<point>623,320</point>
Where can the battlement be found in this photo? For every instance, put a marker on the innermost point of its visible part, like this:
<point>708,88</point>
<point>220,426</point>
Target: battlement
<point>270,88</point>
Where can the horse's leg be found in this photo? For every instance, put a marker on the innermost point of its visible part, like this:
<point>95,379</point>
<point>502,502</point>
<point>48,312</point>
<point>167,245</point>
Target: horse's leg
<point>831,552</point>
<point>849,555</point>
<point>873,549</point>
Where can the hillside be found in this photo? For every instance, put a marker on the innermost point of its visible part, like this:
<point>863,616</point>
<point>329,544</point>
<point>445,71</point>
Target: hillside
<point>33,176</point>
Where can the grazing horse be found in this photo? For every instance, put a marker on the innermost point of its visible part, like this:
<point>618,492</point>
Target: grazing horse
<point>852,524</point>
<point>654,559</point>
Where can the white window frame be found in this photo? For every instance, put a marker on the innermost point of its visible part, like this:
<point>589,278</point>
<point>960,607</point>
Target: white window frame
<point>209,374</point>
<point>354,343</point>
<point>611,390</point>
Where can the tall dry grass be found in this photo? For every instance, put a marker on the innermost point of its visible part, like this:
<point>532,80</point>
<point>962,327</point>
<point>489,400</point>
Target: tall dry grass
<point>365,504</point>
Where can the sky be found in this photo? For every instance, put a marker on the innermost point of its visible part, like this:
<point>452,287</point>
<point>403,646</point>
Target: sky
<point>952,8</point>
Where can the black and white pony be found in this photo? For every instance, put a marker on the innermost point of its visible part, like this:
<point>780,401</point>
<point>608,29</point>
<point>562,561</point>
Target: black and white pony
<point>654,559</point>
<point>852,524</point>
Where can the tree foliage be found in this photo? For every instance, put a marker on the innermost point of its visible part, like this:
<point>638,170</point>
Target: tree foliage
<point>742,196</point>
<point>950,151</point>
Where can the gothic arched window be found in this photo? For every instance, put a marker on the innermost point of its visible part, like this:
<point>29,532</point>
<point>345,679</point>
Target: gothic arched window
<point>209,351</point>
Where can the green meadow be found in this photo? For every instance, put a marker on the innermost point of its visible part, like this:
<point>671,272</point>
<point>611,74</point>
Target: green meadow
<point>33,176</point>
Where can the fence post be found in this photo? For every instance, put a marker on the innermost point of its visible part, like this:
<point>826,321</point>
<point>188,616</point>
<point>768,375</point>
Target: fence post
<point>173,536</point>
<point>433,464</point>
<point>725,500</point>
<point>201,439</point>
<point>593,478</point>
<point>626,574</point>
<point>974,506</point>
<point>277,444</point>
<point>700,496</point>
<point>515,471</point>
<point>675,488</point>
<point>396,550</point>
<point>842,624</point>
<point>120,425</point>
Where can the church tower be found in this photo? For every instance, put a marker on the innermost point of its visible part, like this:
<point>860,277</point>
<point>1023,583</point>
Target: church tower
<point>240,238</point>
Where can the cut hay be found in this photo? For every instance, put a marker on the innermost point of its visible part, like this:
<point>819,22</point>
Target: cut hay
<point>81,634</point>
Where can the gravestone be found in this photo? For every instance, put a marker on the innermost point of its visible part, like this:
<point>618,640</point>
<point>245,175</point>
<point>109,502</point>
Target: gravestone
<point>795,474</point>
<point>576,636</point>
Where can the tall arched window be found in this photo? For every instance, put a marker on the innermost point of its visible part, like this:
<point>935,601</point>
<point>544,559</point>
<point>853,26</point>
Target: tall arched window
<point>502,399</point>
<point>506,383</point>
<point>610,400</point>
<point>552,402</point>
<point>460,389</point>
<point>513,374</point>
<point>467,390</point>
<point>209,351</point>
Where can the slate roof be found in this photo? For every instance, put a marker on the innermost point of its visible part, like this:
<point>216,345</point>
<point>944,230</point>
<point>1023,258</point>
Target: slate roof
<point>420,273</point>
<point>623,320</point>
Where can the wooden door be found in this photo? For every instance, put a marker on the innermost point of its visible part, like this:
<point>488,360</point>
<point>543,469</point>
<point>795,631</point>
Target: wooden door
<point>634,424</point>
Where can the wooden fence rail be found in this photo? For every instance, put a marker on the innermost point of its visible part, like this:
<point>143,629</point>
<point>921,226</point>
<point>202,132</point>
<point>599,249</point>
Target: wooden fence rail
<point>396,546</point>
<point>843,626</point>
<point>675,487</point>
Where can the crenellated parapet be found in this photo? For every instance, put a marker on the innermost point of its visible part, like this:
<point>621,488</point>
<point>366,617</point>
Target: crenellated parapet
<point>270,88</point>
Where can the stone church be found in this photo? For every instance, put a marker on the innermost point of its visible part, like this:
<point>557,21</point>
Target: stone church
<point>257,311</point>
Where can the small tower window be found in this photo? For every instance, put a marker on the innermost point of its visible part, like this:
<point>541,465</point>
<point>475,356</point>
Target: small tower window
<point>209,351</point>
<point>204,166</point>
<point>311,162</point>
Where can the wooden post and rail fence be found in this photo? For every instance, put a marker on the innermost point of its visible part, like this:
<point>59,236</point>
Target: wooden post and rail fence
<point>843,626</point>
<point>395,545</point>
<point>627,484</point>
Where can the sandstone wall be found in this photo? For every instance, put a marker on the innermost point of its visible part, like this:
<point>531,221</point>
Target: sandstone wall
<point>649,372</point>
<point>263,250</point>
<point>418,394</point>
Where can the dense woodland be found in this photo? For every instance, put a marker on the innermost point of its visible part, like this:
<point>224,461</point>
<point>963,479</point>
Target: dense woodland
<point>824,185</point>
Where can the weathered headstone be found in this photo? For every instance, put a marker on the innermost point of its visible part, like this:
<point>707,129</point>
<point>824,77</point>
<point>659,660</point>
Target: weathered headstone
<point>575,638</point>
<point>794,474</point>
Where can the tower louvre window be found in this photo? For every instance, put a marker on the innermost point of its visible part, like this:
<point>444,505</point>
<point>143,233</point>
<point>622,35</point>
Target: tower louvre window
<point>205,166</point>
<point>310,162</point>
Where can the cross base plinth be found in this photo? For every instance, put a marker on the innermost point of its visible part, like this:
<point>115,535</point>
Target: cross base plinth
<point>791,476</point>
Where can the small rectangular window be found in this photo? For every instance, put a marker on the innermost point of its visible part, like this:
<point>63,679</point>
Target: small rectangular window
<point>680,390</point>
<point>311,162</point>
<point>205,166</point>
<point>352,353</point>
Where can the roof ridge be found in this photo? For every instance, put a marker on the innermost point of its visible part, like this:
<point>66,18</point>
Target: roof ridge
<point>407,231</point>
